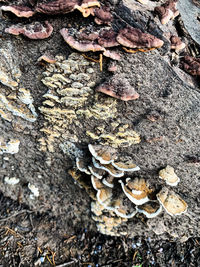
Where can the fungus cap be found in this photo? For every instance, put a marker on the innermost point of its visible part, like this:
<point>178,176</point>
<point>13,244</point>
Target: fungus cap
<point>169,176</point>
<point>79,45</point>
<point>108,181</point>
<point>108,167</point>
<point>150,209</point>
<point>135,38</point>
<point>96,183</point>
<point>19,11</point>
<point>34,30</point>
<point>82,165</point>
<point>139,198</point>
<point>104,154</point>
<point>171,202</point>
<point>126,166</point>
<point>98,173</point>
<point>118,87</point>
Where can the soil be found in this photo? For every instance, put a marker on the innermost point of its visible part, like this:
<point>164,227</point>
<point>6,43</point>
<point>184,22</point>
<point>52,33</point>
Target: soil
<point>56,229</point>
<point>20,245</point>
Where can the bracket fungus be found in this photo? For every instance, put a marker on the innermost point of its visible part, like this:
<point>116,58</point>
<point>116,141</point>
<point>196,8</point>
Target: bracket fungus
<point>80,45</point>
<point>56,7</point>
<point>104,154</point>
<point>167,11</point>
<point>117,200</point>
<point>136,190</point>
<point>176,43</point>
<point>191,65</point>
<point>35,30</point>
<point>150,209</point>
<point>169,176</point>
<point>19,11</point>
<point>103,15</point>
<point>135,38</point>
<point>118,87</point>
<point>171,202</point>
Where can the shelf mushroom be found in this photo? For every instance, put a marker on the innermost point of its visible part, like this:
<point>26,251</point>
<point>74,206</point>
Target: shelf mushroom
<point>169,176</point>
<point>150,209</point>
<point>171,202</point>
<point>136,190</point>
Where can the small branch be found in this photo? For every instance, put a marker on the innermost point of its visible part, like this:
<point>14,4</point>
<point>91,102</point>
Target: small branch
<point>67,263</point>
<point>15,214</point>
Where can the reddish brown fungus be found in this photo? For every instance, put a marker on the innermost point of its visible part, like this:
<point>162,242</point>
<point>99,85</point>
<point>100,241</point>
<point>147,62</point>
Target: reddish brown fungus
<point>176,43</point>
<point>118,87</point>
<point>47,58</point>
<point>80,45</point>
<point>191,65</point>
<point>167,11</point>
<point>103,15</point>
<point>135,38</point>
<point>19,11</point>
<point>107,38</point>
<point>34,30</point>
<point>56,7</point>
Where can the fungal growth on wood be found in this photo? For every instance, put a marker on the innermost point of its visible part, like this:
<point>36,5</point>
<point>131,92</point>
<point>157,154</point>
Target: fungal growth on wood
<point>176,43</point>
<point>167,11</point>
<point>14,99</point>
<point>19,11</point>
<point>11,147</point>
<point>71,83</point>
<point>191,65</point>
<point>118,87</point>
<point>34,30</point>
<point>118,197</point>
<point>169,176</point>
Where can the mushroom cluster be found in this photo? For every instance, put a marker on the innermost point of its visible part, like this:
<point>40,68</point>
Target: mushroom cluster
<point>86,7</point>
<point>120,196</point>
<point>95,41</point>
<point>70,83</point>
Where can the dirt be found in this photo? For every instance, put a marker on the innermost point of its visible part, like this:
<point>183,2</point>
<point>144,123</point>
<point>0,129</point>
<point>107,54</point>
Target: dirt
<point>24,235</point>
<point>56,228</point>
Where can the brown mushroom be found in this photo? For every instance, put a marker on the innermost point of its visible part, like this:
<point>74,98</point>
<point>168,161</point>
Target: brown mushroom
<point>108,168</point>
<point>150,209</point>
<point>171,202</point>
<point>104,154</point>
<point>136,190</point>
<point>103,15</point>
<point>169,176</point>
<point>107,38</point>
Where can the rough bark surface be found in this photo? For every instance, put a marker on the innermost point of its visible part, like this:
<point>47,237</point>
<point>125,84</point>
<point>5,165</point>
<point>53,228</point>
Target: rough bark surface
<point>172,139</point>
